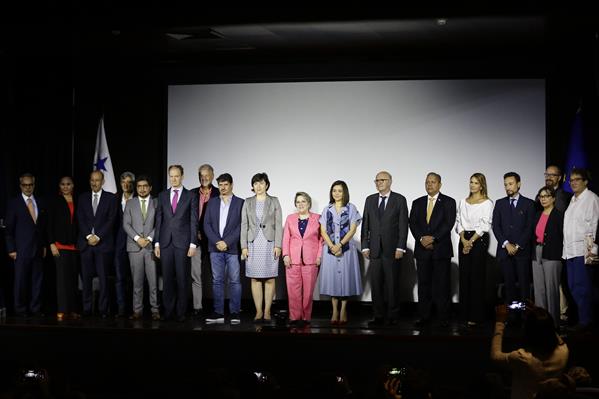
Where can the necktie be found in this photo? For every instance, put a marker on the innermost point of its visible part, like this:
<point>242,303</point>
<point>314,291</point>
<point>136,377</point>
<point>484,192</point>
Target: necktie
<point>174,201</point>
<point>31,209</point>
<point>95,203</point>
<point>144,210</point>
<point>513,203</point>
<point>382,207</point>
<point>429,209</point>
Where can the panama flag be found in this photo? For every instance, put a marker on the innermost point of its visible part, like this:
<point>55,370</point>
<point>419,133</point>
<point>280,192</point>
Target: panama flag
<point>102,159</point>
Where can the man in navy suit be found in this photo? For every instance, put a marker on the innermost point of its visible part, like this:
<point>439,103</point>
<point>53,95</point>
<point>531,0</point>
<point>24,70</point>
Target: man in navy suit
<point>431,219</point>
<point>384,236</point>
<point>175,242</point>
<point>513,225</point>
<point>222,225</point>
<point>25,227</point>
<point>121,257</point>
<point>96,215</point>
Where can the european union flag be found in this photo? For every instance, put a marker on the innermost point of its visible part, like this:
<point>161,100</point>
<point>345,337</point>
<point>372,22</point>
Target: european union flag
<point>576,157</point>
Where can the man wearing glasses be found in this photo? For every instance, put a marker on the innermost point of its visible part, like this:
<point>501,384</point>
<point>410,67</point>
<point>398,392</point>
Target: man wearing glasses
<point>580,227</point>
<point>25,228</point>
<point>384,236</point>
<point>553,179</point>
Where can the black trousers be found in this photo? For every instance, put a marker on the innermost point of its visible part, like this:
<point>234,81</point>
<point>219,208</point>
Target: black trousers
<point>384,279</point>
<point>433,287</point>
<point>473,277</point>
<point>95,262</point>
<point>67,272</point>
<point>516,277</point>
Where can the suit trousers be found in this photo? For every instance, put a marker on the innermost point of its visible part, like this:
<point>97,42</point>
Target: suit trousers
<point>384,280</point>
<point>196,278</point>
<point>175,276</point>
<point>67,277</point>
<point>121,266</point>
<point>546,282</point>
<point>143,267</point>
<point>473,274</point>
<point>95,262</point>
<point>433,287</point>
<point>301,280</point>
<point>580,283</point>
<point>29,274</point>
<point>516,278</point>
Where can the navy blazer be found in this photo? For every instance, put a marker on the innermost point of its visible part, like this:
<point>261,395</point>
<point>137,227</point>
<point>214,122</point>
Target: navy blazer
<point>102,223</point>
<point>180,228</point>
<point>386,235</point>
<point>23,235</point>
<point>440,226</point>
<point>232,229</point>
<point>553,239</point>
<point>514,225</point>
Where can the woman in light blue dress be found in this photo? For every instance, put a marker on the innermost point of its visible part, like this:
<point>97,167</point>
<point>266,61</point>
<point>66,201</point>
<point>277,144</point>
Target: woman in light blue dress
<point>261,241</point>
<point>340,275</point>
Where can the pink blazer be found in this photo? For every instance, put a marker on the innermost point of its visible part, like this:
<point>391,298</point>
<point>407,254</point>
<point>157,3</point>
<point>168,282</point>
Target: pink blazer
<point>308,247</point>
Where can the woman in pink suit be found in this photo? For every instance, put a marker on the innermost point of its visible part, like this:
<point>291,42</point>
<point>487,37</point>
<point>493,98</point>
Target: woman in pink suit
<point>302,250</point>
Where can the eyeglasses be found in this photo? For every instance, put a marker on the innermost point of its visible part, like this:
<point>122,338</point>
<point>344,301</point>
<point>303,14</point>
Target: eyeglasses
<point>573,179</point>
<point>545,196</point>
<point>552,175</point>
<point>380,180</point>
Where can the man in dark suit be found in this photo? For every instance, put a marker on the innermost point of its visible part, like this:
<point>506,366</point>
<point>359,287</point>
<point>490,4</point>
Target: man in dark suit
<point>222,226</point>
<point>201,260</point>
<point>96,215</point>
<point>384,236</point>
<point>431,219</point>
<point>25,238</point>
<point>175,242</point>
<point>513,225</point>
<point>121,258</point>
<point>554,178</point>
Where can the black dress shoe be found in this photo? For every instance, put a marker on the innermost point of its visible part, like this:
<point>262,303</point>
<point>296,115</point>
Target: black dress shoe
<point>104,315</point>
<point>376,322</point>
<point>181,319</point>
<point>197,314</point>
<point>421,323</point>
<point>391,322</point>
<point>444,324</point>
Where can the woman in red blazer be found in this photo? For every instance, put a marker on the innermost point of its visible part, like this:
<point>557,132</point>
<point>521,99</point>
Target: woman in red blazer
<point>302,250</point>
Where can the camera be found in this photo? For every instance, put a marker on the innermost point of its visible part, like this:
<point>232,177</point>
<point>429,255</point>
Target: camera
<point>517,305</point>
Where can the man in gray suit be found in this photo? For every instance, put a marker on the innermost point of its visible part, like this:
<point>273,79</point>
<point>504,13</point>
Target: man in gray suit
<point>384,236</point>
<point>138,223</point>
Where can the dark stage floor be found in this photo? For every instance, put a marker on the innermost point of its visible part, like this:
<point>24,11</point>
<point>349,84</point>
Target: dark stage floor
<point>119,355</point>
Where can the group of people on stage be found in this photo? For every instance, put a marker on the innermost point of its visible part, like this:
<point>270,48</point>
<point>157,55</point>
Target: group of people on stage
<point>187,228</point>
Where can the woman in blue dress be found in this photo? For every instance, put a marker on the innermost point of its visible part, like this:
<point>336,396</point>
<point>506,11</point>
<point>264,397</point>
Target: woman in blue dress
<point>340,275</point>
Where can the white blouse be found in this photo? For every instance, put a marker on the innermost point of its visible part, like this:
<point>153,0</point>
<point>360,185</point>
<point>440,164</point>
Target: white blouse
<point>475,217</point>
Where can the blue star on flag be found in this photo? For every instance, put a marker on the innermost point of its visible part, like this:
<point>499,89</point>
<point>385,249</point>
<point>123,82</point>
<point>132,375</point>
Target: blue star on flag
<point>100,164</point>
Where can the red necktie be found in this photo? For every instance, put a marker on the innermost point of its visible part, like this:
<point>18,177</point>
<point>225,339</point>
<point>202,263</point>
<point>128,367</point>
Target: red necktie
<point>174,201</point>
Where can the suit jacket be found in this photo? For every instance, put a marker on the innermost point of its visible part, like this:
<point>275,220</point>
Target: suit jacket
<point>180,228</point>
<point>441,223</point>
<point>135,225</point>
<point>24,236</point>
<point>60,228</point>
<point>304,249</point>
<point>384,236</point>
<point>553,238</point>
<point>196,192</point>
<point>515,226</point>
<point>272,221</point>
<point>232,229</point>
<point>102,222</point>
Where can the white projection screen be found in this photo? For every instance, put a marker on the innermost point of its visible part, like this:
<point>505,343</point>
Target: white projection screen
<point>306,135</point>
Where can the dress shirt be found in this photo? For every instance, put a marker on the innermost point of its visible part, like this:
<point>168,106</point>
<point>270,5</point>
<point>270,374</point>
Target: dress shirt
<point>204,198</point>
<point>25,198</point>
<point>225,204</point>
<point>513,204</point>
<point>580,222</point>
<point>124,201</point>
<point>172,194</point>
<point>99,194</point>
<point>474,217</point>
<point>386,195</point>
